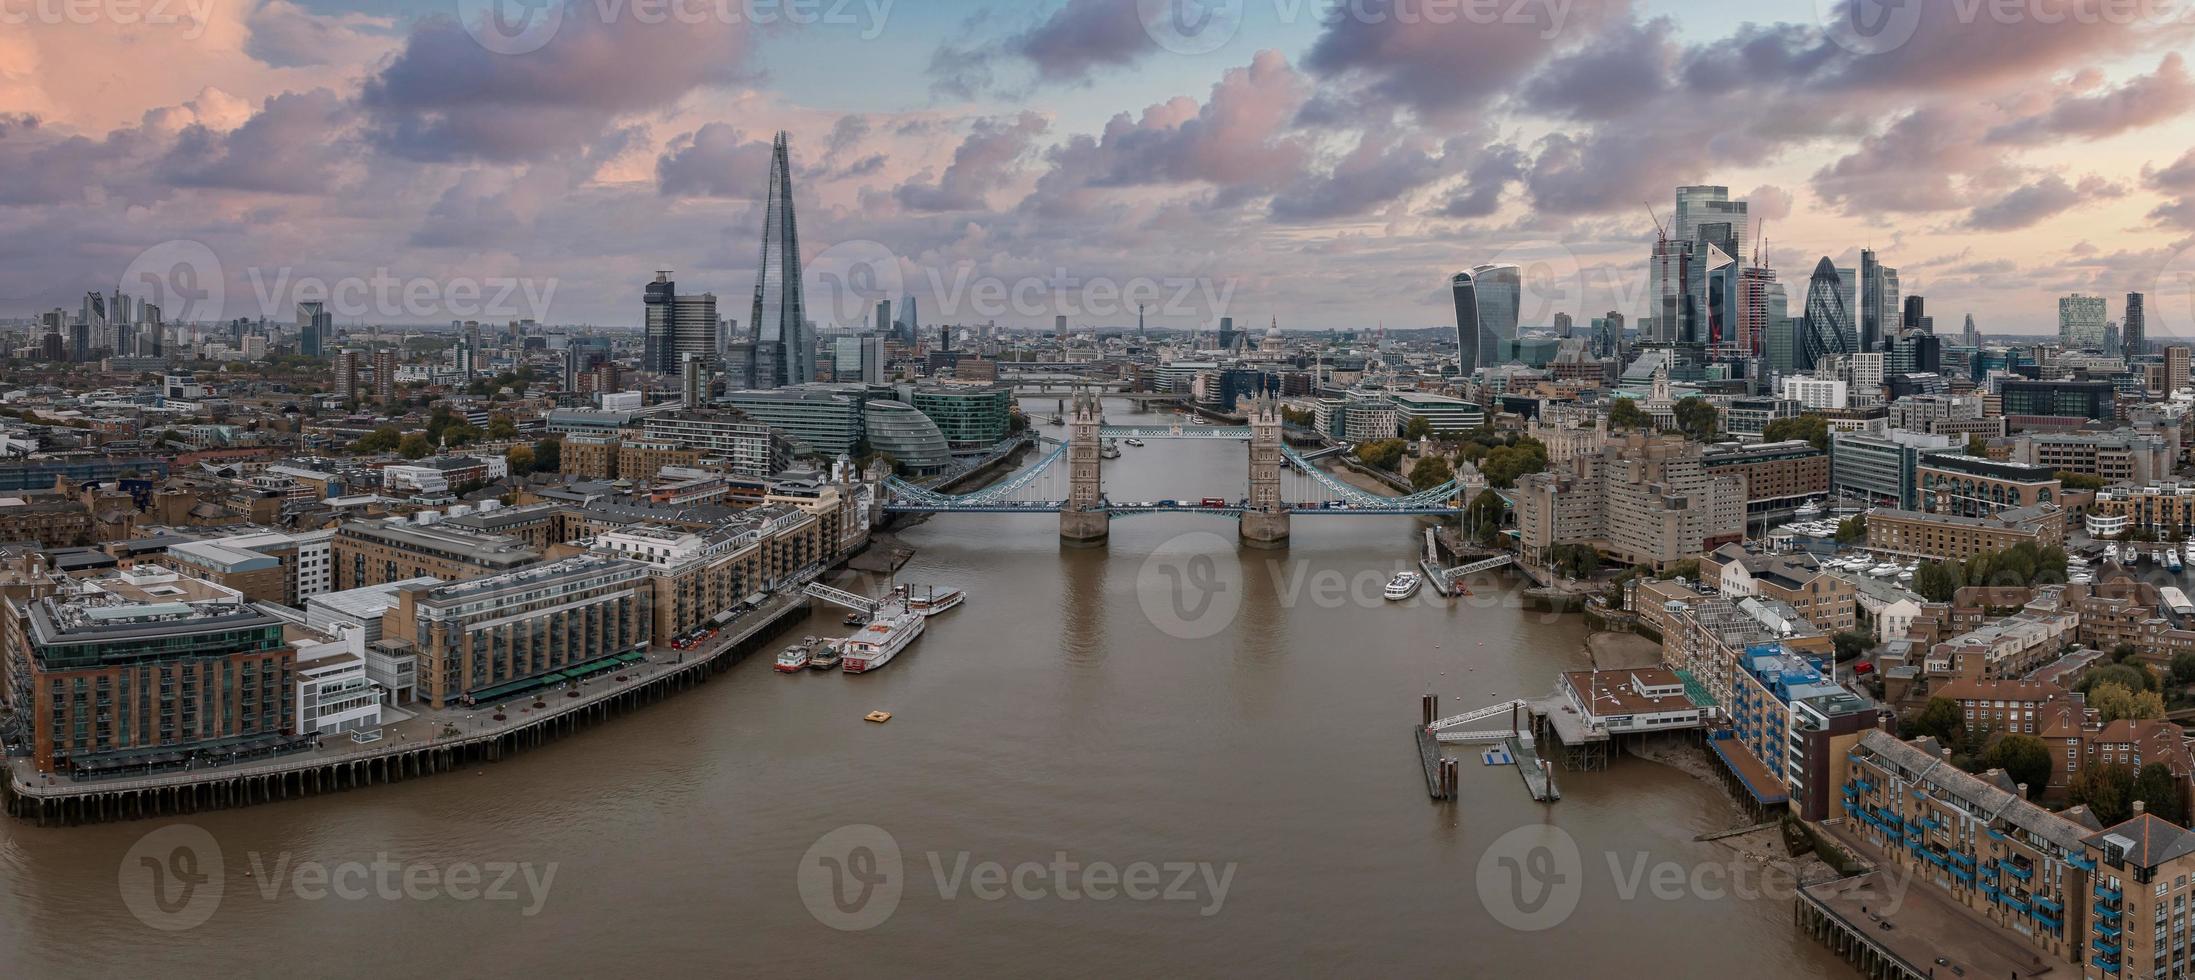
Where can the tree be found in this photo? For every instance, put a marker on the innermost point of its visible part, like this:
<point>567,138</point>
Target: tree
<point>2159,792</point>
<point>2115,701</point>
<point>1936,581</point>
<point>2133,677</point>
<point>414,446</point>
<point>2107,791</point>
<point>2183,668</point>
<point>382,439</point>
<point>2024,758</point>
<point>1503,465</point>
<point>1812,428</point>
<point>521,460</point>
<point>1418,428</point>
<point>1382,454</point>
<point>549,455</point>
<point>1485,515</point>
<point>1851,644</point>
<point>1625,413</point>
<point>501,427</point>
<point>1698,418</point>
<point>1430,472</point>
<point>1688,569</point>
<point>1940,718</point>
<point>2079,481</point>
<point>1977,445</point>
<point>1852,529</point>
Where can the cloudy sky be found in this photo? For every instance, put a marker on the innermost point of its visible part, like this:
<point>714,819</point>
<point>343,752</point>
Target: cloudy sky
<point>1325,162</point>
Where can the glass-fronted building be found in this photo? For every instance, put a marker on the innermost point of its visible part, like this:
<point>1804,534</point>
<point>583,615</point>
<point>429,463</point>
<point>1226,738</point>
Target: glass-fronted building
<point>818,419</point>
<point>899,430</point>
<point>970,416</point>
<point>1486,313</point>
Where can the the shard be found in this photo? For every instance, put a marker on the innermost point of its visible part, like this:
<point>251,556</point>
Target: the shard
<point>783,353</point>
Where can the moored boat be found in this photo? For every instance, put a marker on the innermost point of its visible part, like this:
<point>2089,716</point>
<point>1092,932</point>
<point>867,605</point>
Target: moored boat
<point>1403,586</point>
<point>792,660</point>
<point>890,631</point>
<point>929,600</point>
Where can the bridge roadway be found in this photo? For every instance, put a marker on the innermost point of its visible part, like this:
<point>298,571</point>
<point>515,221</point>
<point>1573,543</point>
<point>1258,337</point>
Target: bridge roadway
<point>1234,509</point>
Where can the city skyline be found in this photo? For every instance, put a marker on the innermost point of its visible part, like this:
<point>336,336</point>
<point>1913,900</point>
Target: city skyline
<point>1338,170</point>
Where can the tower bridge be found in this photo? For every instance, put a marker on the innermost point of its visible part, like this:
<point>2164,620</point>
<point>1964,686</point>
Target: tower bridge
<point>1068,480</point>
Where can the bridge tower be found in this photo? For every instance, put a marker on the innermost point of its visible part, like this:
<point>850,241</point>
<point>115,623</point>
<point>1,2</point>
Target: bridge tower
<point>1083,518</point>
<point>1265,520</point>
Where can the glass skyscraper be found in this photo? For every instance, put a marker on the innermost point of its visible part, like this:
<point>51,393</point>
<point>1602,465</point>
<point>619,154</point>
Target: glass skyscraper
<point>2081,322</point>
<point>1828,323</point>
<point>1487,298</point>
<point>783,352</point>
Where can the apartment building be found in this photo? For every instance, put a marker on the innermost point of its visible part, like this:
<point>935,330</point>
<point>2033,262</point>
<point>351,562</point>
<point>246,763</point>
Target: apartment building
<point>1646,501</point>
<point>2008,705</point>
<point>2118,456</point>
<point>143,670</point>
<point>377,552</point>
<point>1825,600</point>
<point>699,578</point>
<point>501,635</point>
<point>1972,486</point>
<point>2166,507</point>
<point>589,456</point>
<point>1975,840</point>
<point>1779,476</point>
<point>1798,724</point>
<point>2138,922</point>
<point>2008,647</point>
<point>1915,534</point>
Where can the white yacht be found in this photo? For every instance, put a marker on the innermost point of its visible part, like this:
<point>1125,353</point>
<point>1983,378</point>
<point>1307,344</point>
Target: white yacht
<point>1403,586</point>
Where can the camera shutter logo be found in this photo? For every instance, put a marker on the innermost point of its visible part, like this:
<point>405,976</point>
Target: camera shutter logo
<point>171,879</point>
<point>851,878</point>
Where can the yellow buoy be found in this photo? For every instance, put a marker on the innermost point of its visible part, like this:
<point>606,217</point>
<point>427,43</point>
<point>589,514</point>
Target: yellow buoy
<point>879,717</point>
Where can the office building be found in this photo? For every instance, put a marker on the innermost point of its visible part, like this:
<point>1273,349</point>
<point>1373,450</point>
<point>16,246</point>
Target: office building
<point>2092,400</point>
<point>2134,333</point>
<point>1970,486</point>
<point>819,419</point>
<point>1446,415</point>
<point>1880,312</point>
<point>971,416</point>
<point>315,327</point>
<point>784,345</point>
<point>900,431</point>
<point>2081,322</point>
<point>747,445</point>
<point>1881,468</point>
<point>1487,300</point>
<point>1828,326</point>
<point>676,327</point>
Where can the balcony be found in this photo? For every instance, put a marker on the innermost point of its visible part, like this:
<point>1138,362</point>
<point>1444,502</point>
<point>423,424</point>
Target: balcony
<point>2017,871</point>
<point>2106,947</point>
<point>2108,966</point>
<point>2104,913</point>
<point>2109,894</point>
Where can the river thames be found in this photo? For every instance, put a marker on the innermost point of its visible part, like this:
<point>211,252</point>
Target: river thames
<point>1171,753</point>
